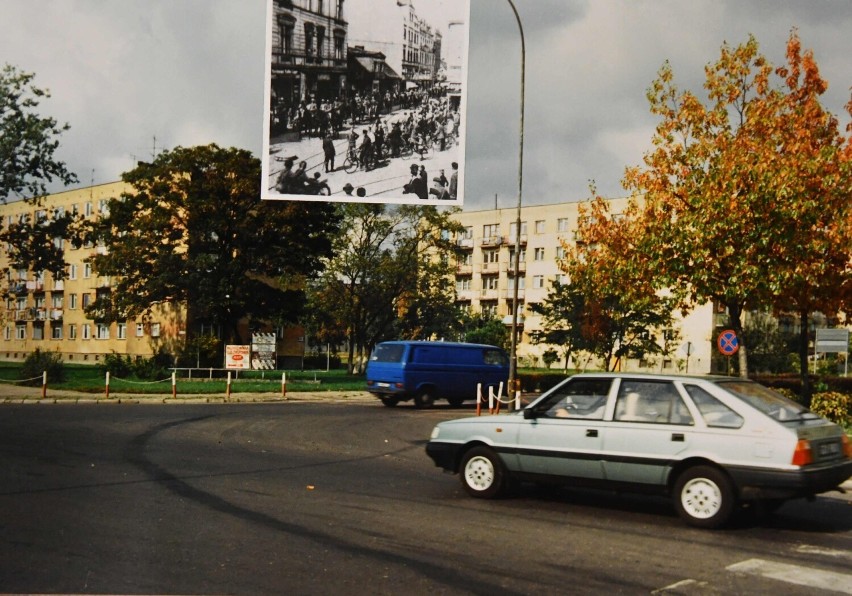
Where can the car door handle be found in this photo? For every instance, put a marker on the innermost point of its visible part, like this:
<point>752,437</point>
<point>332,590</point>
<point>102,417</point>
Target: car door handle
<point>678,437</point>
<point>592,432</point>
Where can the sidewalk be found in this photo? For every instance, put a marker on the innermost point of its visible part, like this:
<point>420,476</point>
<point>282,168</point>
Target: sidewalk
<point>15,394</point>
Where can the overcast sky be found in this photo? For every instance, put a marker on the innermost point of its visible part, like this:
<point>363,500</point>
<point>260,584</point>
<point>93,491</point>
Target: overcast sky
<point>184,72</point>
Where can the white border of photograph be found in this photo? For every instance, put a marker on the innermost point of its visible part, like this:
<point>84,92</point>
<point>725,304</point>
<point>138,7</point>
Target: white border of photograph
<point>283,140</point>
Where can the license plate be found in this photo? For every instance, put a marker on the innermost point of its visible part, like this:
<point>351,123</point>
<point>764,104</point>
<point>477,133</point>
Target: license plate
<point>829,449</point>
<point>383,384</point>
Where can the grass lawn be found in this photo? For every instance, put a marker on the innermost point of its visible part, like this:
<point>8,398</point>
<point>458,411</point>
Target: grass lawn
<point>91,379</point>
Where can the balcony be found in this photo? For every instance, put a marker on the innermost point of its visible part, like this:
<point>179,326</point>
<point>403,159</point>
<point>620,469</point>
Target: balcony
<point>489,294</point>
<point>513,240</point>
<point>56,314</point>
<point>465,243</point>
<point>490,241</point>
<point>58,285</point>
<point>464,295</point>
<point>522,268</point>
<point>510,294</point>
<point>490,268</point>
<point>464,269</point>
<point>27,314</point>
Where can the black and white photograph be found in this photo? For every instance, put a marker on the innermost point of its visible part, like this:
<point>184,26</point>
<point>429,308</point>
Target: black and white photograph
<point>365,100</point>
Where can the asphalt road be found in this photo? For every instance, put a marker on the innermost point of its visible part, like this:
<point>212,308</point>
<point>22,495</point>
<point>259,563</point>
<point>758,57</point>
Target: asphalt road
<point>339,498</point>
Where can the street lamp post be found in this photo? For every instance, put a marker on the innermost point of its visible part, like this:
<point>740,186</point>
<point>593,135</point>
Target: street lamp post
<point>513,354</point>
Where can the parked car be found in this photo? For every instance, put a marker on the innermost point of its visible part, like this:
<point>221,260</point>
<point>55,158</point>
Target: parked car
<point>710,443</point>
<point>428,370</point>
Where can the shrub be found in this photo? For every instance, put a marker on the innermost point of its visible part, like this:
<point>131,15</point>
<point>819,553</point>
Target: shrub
<point>155,368</point>
<point>833,405</point>
<point>38,362</point>
<point>117,365</point>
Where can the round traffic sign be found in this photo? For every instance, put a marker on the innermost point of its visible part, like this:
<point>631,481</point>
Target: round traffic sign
<point>728,343</point>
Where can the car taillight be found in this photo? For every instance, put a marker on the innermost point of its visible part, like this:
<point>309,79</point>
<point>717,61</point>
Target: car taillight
<point>847,446</point>
<point>803,455</point>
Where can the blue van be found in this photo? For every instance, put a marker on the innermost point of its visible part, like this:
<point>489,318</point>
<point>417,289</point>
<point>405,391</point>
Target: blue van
<point>429,370</point>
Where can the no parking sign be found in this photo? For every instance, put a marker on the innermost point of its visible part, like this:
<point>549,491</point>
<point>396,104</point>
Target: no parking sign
<point>728,343</point>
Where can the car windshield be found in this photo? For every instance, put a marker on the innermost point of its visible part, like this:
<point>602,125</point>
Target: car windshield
<point>766,400</point>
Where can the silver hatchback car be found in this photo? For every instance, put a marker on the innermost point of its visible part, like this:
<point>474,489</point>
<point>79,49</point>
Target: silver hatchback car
<point>708,442</point>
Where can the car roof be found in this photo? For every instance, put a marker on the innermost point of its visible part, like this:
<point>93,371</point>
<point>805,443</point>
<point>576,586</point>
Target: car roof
<point>657,376</point>
<point>453,344</point>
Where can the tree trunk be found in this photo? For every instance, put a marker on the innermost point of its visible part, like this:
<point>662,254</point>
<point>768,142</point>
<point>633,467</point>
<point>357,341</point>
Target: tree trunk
<point>803,358</point>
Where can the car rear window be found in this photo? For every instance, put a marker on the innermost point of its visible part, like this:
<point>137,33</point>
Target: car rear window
<point>388,353</point>
<point>766,400</point>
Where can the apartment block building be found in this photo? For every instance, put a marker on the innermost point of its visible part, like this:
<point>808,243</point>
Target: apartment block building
<point>485,278</point>
<point>49,314</point>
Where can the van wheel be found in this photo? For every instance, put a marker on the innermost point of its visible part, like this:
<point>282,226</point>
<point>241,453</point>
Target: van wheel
<point>424,399</point>
<point>704,497</point>
<point>389,401</point>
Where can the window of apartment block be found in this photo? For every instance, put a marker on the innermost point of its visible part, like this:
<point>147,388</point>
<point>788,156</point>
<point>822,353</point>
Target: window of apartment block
<point>467,233</point>
<point>87,299</point>
<point>56,331</point>
<point>466,259</point>
<point>539,253</point>
<point>121,331</point>
<point>538,281</point>
<point>140,330</point>
<point>72,331</point>
<point>56,301</point>
<point>103,207</point>
<point>562,279</point>
<point>562,224</point>
<point>521,283</point>
<point>560,252</point>
<point>155,330</point>
<point>87,331</point>
<point>38,332</point>
<point>539,226</point>
<point>7,332</point>
<point>21,331</point>
<point>21,303</point>
<point>87,209</point>
<point>72,271</point>
<point>490,230</point>
<point>87,270</point>
<point>523,255</point>
<point>72,301</point>
<point>489,309</point>
<point>490,256</point>
<point>463,284</point>
<point>103,331</point>
<point>513,229</point>
<point>490,282</point>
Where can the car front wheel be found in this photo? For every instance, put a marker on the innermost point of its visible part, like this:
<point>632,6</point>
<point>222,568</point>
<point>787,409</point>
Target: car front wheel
<point>482,473</point>
<point>704,497</point>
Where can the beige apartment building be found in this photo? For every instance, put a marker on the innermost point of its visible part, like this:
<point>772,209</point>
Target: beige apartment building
<point>49,314</point>
<point>485,280</point>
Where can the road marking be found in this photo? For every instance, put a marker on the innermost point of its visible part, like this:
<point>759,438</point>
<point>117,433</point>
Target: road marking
<point>801,576</point>
<point>690,583</point>
<point>825,552</point>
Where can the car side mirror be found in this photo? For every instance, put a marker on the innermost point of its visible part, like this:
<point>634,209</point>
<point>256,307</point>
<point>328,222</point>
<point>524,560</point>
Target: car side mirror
<point>530,414</point>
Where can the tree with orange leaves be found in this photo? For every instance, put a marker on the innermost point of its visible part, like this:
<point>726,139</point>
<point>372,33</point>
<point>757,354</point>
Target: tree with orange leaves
<point>746,199</point>
<point>608,308</point>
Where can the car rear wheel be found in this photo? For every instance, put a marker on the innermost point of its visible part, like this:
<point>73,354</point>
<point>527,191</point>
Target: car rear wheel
<point>424,399</point>
<point>482,473</point>
<point>704,497</point>
<point>390,401</point>
<point>455,402</point>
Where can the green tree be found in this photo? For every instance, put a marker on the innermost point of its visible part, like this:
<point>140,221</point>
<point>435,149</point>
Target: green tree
<point>28,143</point>
<point>735,191</point>
<point>193,230</point>
<point>389,276</point>
<point>486,329</point>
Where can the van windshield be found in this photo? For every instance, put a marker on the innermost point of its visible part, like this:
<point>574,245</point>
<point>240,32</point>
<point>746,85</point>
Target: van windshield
<point>387,353</point>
